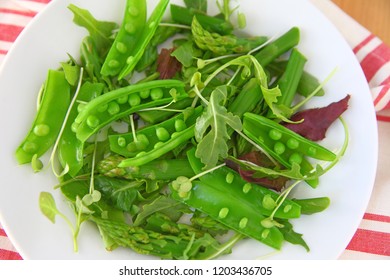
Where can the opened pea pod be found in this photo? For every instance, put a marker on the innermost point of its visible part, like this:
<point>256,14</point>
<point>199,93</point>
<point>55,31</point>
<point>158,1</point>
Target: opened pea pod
<point>48,119</point>
<point>124,101</point>
<point>153,136</point>
<point>283,144</point>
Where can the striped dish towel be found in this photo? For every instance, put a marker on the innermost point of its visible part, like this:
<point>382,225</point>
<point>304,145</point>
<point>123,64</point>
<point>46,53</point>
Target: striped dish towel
<point>372,239</point>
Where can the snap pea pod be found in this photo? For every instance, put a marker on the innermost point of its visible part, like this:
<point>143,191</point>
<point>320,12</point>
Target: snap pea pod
<point>164,169</point>
<point>146,35</point>
<point>289,81</point>
<point>224,207</point>
<point>48,119</point>
<point>153,136</point>
<point>184,15</point>
<point>260,198</point>
<point>128,36</point>
<point>307,84</point>
<point>167,146</point>
<point>283,144</point>
<point>278,47</point>
<point>70,149</point>
<point>124,101</point>
<point>247,99</point>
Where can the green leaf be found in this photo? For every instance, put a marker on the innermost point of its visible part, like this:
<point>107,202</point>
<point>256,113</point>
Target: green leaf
<point>211,129</point>
<point>291,236</point>
<point>100,31</point>
<point>185,54</point>
<point>48,206</point>
<point>121,193</point>
<point>164,204</point>
<point>72,73</point>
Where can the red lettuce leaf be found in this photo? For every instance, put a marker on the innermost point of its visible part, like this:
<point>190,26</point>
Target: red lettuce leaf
<point>167,65</point>
<point>259,159</point>
<point>316,121</point>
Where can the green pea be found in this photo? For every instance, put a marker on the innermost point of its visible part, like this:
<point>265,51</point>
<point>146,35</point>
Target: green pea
<point>140,154</point>
<point>295,158</point>
<point>130,60</point>
<point>144,94</point>
<point>131,147</point>
<point>142,142</point>
<point>41,130</point>
<point>93,121</point>
<point>121,47</point>
<point>180,125</point>
<point>229,178</point>
<point>312,151</point>
<point>275,134</point>
<point>102,108</point>
<point>287,208</point>
<point>162,134</point>
<point>130,28</point>
<point>279,148</point>
<point>80,107</point>
<point>246,188</point>
<point>158,144</point>
<point>243,222</point>
<point>133,11</point>
<point>175,134</point>
<point>122,99</point>
<point>113,108</point>
<point>113,63</point>
<point>265,233</point>
<point>30,147</point>
<point>156,94</point>
<point>152,24</point>
<point>121,142</point>
<point>134,99</point>
<point>292,143</point>
<point>223,213</point>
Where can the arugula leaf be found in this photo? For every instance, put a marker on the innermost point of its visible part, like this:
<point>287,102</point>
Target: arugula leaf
<point>100,31</point>
<point>162,204</point>
<point>72,72</point>
<point>185,54</point>
<point>211,129</point>
<point>291,236</point>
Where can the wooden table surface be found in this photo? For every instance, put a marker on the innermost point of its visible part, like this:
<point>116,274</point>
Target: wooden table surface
<point>372,14</point>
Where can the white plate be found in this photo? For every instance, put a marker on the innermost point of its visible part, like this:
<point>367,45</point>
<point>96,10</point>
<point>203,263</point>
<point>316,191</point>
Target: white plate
<point>52,35</point>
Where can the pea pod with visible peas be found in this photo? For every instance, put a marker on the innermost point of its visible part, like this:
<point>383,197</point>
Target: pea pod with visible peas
<point>70,149</point>
<point>260,198</point>
<point>178,139</point>
<point>48,119</point>
<point>129,34</point>
<point>124,101</point>
<point>151,137</point>
<point>146,35</point>
<point>224,207</point>
<point>283,144</point>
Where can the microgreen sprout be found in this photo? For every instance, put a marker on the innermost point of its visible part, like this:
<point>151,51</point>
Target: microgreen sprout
<point>183,185</point>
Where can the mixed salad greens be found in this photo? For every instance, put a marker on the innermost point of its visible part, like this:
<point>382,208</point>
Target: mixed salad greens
<point>178,138</point>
